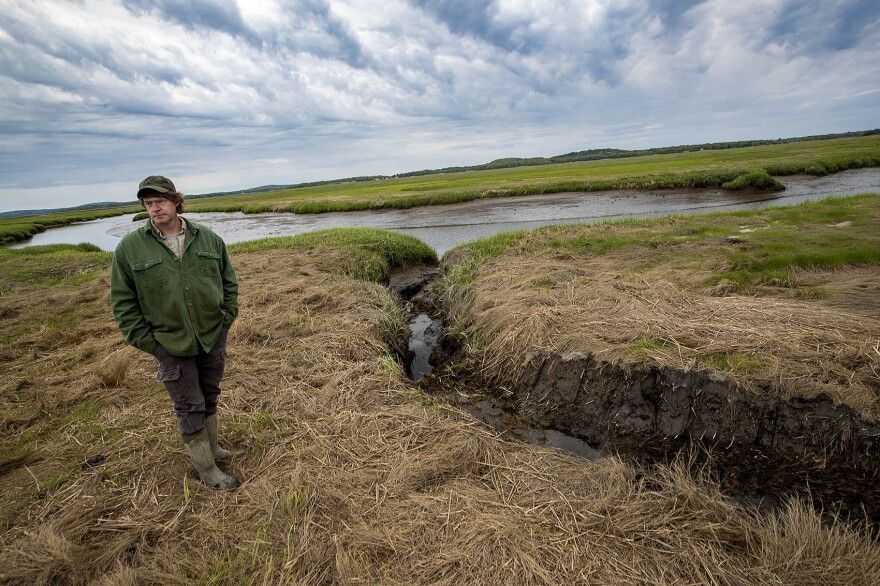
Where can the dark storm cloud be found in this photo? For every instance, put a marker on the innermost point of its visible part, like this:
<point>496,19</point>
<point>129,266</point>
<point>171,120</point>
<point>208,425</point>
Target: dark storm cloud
<point>466,17</point>
<point>317,30</point>
<point>674,13</point>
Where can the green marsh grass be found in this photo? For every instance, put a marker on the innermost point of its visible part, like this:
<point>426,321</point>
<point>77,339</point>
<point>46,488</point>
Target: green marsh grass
<point>827,234</point>
<point>643,346</point>
<point>543,282</point>
<point>737,168</point>
<point>54,264</point>
<point>20,228</point>
<point>680,170</point>
<point>736,362</point>
<point>372,253</point>
<point>84,411</point>
<point>757,180</point>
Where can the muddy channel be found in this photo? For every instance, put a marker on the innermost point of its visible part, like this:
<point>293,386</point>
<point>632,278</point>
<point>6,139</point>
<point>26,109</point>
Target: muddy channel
<point>761,450</point>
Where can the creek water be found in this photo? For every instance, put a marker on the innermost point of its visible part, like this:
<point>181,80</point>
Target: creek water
<point>446,226</point>
<point>425,335</point>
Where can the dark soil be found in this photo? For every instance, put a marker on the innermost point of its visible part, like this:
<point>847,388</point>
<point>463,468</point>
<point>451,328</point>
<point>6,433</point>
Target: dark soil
<point>762,448</point>
<point>410,281</point>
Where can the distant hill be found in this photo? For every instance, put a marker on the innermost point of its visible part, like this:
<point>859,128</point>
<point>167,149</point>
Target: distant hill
<point>88,206</point>
<point>597,154</point>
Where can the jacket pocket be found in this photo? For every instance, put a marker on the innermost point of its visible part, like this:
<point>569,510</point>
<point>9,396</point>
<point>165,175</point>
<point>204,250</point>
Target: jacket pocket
<point>149,274</point>
<point>209,263</point>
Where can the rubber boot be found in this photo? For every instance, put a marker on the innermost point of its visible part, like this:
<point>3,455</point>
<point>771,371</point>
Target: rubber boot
<point>211,426</point>
<point>199,448</point>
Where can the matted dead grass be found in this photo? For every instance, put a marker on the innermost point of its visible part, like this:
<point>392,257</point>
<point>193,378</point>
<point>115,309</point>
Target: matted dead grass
<point>351,476</point>
<point>636,305</point>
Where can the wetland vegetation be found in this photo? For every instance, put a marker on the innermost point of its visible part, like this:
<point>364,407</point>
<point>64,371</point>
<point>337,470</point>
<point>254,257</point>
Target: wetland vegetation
<point>687,169</point>
<point>745,167</point>
<point>356,474</point>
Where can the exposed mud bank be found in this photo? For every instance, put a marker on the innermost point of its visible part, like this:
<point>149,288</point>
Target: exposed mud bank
<point>608,401</point>
<point>762,447</point>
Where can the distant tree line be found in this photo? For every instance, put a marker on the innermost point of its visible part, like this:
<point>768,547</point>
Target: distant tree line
<point>265,188</point>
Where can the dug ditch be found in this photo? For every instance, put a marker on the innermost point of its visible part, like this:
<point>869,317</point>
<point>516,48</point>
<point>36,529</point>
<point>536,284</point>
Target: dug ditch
<point>760,449</point>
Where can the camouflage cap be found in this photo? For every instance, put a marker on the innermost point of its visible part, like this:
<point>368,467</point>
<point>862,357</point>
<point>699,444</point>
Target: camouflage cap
<point>156,183</point>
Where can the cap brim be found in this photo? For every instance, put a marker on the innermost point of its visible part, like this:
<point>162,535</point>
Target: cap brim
<point>158,188</point>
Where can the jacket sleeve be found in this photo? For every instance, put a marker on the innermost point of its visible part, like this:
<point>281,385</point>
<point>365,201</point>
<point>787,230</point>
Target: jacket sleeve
<point>126,308</point>
<point>230,288</point>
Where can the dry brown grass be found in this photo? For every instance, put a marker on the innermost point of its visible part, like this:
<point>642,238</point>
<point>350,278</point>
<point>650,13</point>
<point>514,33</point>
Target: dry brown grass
<point>639,304</point>
<point>351,475</point>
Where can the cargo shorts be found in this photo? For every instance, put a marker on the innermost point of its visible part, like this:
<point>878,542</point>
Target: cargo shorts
<point>193,383</point>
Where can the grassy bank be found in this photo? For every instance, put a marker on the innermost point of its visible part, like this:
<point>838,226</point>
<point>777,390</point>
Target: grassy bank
<point>746,167</point>
<point>352,475</point>
<point>735,169</point>
<point>371,254</point>
<point>21,228</point>
<point>784,300</point>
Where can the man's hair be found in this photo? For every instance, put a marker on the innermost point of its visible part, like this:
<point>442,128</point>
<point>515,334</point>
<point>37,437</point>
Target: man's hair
<point>174,196</point>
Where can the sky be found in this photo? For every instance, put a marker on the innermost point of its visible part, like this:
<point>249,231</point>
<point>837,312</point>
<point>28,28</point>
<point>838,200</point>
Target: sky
<point>222,95</point>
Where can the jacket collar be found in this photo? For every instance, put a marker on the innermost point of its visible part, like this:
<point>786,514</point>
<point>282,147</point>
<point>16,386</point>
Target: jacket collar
<point>191,227</point>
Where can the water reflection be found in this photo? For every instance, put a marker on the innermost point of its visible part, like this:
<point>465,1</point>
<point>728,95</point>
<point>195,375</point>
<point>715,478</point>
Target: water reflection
<point>444,227</point>
<point>97,232</point>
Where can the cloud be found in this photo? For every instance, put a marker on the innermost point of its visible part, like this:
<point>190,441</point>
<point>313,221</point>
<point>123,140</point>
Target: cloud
<point>831,26</point>
<point>95,92</point>
<point>195,14</point>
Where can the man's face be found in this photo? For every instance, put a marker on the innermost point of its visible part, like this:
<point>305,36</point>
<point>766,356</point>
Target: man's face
<point>163,212</point>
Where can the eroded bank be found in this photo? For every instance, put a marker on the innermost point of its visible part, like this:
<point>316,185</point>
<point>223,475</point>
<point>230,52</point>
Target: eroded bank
<point>769,420</point>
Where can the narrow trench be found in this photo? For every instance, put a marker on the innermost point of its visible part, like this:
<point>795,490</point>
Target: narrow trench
<point>761,450</point>
<point>429,349</point>
<point>425,333</point>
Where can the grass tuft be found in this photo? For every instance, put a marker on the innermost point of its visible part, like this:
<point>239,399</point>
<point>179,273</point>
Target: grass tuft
<point>642,347</point>
<point>756,180</point>
<point>371,253</point>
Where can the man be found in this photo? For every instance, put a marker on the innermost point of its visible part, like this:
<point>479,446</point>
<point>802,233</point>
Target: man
<point>174,294</point>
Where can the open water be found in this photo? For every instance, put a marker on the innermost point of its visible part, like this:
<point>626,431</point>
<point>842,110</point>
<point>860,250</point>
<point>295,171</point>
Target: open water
<point>444,227</point>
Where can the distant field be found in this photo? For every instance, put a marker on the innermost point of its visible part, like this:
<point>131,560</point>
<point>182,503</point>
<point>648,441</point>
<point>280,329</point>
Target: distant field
<point>737,168</point>
<point>694,169</point>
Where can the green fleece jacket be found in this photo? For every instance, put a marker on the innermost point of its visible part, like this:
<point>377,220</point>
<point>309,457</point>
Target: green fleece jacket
<point>181,304</point>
